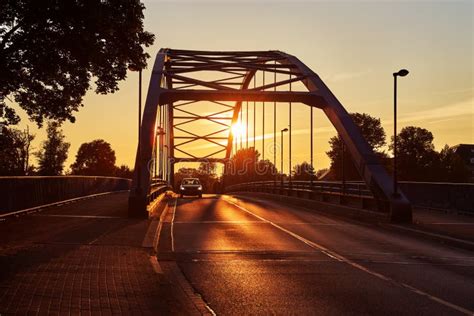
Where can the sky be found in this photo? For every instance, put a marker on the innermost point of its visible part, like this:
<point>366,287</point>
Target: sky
<point>354,46</point>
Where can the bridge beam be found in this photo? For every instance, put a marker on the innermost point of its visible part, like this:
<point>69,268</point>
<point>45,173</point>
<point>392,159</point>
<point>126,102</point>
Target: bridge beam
<point>243,65</point>
<point>368,165</point>
<point>138,198</point>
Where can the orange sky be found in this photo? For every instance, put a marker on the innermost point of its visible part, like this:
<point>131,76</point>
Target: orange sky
<point>354,46</point>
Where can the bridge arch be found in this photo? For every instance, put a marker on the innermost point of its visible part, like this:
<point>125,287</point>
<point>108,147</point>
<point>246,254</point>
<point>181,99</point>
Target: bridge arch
<point>227,77</point>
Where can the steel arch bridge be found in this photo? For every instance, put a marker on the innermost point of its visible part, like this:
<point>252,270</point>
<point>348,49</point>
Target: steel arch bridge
<point>182,80</point>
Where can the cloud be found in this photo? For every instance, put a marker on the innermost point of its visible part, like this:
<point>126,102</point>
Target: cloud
<point>462,108</point>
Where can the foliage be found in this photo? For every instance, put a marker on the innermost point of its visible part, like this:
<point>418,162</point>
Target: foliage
<point>303,172</point>
<point>53,152</point>
<point>245,166</point>
<point>95,158</point>
<point>206,173</point>
<point>266,171</point>
<point>453,168</point>
<point>14,152</point>
<point>123,172</point>
<point>372,130</point>
<point>416,158</point>
<point>50,50</point>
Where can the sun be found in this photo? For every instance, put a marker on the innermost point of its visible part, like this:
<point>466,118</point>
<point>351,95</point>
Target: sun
<point>238,130</point>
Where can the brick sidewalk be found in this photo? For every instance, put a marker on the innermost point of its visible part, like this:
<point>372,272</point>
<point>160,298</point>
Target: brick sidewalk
<point>69,265</point>
<point>87,279</point>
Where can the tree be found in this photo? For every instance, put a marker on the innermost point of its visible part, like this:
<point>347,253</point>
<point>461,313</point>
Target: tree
<point>416,158</point>
<point>242,166</point>
<point>15,152</point>
<point>373,132</point>
<point>206,173</point>
<point>53,152</point>
<point>123,172</point>
<point>50,50</point>
<point>94,159</point>
<point>453,168</point>
<point>266,170</point>
<point>303,172</point>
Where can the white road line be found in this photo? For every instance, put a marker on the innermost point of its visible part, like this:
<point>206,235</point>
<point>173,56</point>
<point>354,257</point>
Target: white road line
<point>172,224</point>
<point>341,258</point>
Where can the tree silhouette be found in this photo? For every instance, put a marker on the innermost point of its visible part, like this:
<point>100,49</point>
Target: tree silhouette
<point>242,166</point>
<point>94,159</point>
<point>124,172</point>
<point>453,168</point>
<point>50,50</point>
<point>417,159</point>
<point>14,151</point>
<point>303,172</point>
<point>373,132</point>
<point>206,173</point>
<point>53,152</point>
<point>245,166</point>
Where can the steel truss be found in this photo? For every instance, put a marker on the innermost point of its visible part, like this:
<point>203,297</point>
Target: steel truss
<point>181,79</point>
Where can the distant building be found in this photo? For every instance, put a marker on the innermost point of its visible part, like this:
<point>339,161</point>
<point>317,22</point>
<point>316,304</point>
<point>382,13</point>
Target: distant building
<point>466,152</point>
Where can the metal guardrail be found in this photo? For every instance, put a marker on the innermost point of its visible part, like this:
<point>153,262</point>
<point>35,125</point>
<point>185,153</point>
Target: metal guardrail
<point>157,187</point>
<point>335,187</point>
<point>354,194</point>
<point>19,193</point>
<point>439,196</point>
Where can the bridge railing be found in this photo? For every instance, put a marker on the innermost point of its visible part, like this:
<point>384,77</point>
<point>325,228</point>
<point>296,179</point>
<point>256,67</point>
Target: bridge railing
<point>18,193</point>
<point>157,187</point>
<point>354,194</point>
<point>441,196</point>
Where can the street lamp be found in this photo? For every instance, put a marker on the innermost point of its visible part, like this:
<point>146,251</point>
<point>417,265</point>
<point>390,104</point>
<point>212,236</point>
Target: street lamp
<point>400,73</point>
<point>281,150</point>
<point>136,68</point>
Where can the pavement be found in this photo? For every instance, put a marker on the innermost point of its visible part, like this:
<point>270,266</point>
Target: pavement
<point>225,255</point>
<point>83,258</point>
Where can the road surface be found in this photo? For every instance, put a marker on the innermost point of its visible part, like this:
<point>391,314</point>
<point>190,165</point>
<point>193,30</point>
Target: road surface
<point>258,257</point>
<point>225,256</point>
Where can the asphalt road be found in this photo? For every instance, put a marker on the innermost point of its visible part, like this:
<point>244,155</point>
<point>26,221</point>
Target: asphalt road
<point>258,257</point>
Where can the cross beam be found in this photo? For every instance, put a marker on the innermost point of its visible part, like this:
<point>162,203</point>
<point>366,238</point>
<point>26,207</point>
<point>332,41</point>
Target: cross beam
<point>211,87</point>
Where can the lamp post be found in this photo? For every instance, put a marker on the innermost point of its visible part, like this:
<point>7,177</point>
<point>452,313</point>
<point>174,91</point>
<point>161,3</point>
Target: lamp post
<point>159,150</point>
<point>400,73</point>
<point>281,150</point>
<point>136,68</point>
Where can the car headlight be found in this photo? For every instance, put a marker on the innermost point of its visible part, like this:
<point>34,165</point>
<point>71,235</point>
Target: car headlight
<point>199,188</point>
<point>181,187</point>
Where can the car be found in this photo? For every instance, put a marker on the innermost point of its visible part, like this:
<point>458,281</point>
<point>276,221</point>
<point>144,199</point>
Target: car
<point>190,186</point>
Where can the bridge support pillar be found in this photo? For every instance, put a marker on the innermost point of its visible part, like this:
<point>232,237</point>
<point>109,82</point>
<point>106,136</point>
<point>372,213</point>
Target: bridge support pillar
<point>137,206</point>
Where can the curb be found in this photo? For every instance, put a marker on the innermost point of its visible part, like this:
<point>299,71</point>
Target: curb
<point>444,239</point>
<point>329,208</point>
